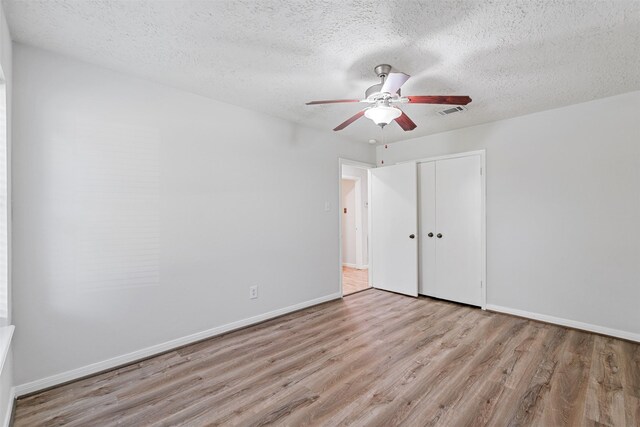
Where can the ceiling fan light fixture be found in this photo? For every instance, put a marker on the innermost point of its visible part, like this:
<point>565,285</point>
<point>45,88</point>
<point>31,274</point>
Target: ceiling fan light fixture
<point>382,115</point>
<point>382,98</point>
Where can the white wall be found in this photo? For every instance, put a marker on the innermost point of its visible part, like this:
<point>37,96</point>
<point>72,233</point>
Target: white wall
<point>144,213</point>
<point>6,376</point>
<point>349,222</point>
<point>563,208</point>
<point>362,173</point>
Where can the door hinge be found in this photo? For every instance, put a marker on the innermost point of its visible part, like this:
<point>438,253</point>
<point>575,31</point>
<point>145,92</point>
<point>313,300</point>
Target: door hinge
<point>480,283</point>
<point>480,171</point>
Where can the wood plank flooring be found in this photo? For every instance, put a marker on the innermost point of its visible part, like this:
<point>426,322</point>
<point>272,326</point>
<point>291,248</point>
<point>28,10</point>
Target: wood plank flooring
<point>354,280</point>
<point>371,359</point>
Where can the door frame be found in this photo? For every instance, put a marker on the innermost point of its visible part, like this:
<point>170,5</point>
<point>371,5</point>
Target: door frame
<point>362,165</point>
<point>483,211</point>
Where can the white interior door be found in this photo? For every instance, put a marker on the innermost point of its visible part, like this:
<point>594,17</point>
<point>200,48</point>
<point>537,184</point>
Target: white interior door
<point>427,228</point>
<point>394,223</point>
<point>458,208</point>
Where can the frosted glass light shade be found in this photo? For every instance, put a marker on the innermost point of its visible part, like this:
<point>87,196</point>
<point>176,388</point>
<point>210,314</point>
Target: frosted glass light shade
<point>382,115</point>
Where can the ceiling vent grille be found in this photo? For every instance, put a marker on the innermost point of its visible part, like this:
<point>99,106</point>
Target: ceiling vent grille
<point>456,109</point>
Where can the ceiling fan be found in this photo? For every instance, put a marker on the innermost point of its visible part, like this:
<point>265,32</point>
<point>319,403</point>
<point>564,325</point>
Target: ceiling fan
<point>384,97</point>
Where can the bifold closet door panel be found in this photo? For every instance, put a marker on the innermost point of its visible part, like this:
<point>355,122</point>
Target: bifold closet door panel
<point>427,221</point>
<point>458,233</point>
<point>394,228</point>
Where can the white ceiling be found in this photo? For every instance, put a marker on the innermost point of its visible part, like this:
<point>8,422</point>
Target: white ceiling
<point>511,57</point>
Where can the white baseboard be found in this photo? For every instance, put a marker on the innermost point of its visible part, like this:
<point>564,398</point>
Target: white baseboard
<point>9,410</point>
<point>94,368</point>
<point>566,322</point>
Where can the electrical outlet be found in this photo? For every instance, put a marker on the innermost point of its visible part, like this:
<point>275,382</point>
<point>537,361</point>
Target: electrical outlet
<point>253,292</point>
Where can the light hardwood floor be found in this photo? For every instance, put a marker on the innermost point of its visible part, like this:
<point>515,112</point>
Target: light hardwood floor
<point>372,359</point>
<point>354,280</point>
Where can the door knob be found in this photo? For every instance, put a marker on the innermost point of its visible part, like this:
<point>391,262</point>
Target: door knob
<point>430,234</point>
<point>439,236</point>
<point>412,236</point>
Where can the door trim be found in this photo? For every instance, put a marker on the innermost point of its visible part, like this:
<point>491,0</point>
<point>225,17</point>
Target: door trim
<point>348,162</point>
<point>483,210</point>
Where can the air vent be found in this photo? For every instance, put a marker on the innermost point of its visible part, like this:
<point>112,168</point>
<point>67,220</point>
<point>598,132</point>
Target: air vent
<point>456,109</point>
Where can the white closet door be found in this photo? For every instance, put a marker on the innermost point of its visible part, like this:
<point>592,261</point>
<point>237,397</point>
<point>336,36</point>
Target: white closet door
<point>458,212</point>
<point>394,223</point>
<point>427,221</point>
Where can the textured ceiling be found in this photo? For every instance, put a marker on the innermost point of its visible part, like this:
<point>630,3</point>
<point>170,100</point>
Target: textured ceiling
<point>511,57</point>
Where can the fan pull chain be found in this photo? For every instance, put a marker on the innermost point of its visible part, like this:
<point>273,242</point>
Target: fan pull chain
<point>383,143</point>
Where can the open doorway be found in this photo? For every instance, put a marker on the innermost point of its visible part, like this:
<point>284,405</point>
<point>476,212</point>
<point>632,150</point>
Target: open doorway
<point>354,224</point>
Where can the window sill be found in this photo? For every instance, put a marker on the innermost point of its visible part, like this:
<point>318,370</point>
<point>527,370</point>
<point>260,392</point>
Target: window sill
<point>6,333</point>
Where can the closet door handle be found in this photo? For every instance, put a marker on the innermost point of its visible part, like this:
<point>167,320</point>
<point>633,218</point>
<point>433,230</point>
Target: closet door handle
<point>439,236</point>
<point>430,234</point>
<point>412,236</point>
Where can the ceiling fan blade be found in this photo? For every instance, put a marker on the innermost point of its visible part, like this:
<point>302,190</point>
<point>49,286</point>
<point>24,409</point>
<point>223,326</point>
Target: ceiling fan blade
<point>405,122</point>
<point>349,121</point>
<point>332,101</point>
<point>439,99</point>
<point>393,82</point>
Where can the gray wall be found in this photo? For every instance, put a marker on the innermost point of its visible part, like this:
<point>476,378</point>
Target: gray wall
<point>144,213</point>
<point>563,208</point>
